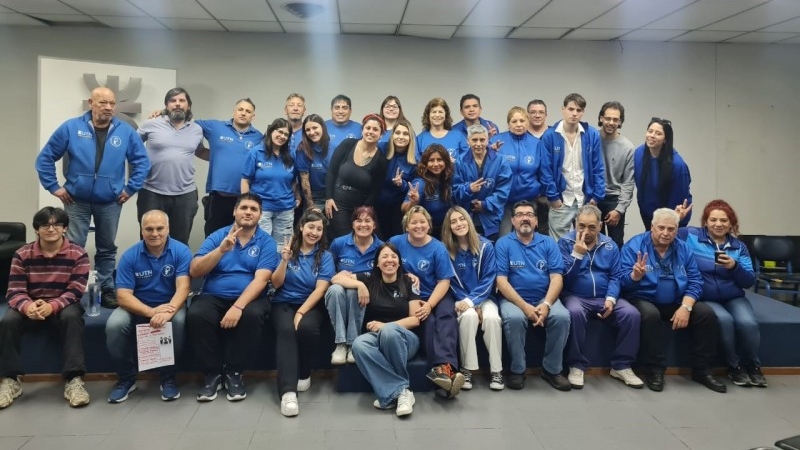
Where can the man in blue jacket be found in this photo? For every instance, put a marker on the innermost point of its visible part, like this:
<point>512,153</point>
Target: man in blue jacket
<point>663,282</point>
<point>574,173</point>
<point>471,109</point>
<point>97,145</point>
<point>591,288</point>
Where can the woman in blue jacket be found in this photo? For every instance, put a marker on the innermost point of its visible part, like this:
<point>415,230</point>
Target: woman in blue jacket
<point>437,128</point>
<point>473,288</point>
<point>401,168</point>
<point>312,159</point>
<point>727,271</point>
<point>303,275</point>
<point>662,177</point>
<point>432,189</point>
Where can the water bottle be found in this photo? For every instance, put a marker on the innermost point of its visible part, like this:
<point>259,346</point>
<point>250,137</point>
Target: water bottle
<point>94,296</point>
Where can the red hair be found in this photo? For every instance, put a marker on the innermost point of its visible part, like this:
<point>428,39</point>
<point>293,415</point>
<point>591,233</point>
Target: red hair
<point>723,206</point>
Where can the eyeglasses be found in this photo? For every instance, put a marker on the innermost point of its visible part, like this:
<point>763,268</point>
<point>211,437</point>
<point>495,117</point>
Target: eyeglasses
<point>661,121</point>
<point>524,215</point>
<point>391,107</point>
<point>54,226</point>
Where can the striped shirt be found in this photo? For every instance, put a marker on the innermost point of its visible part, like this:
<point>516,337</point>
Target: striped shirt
<point>59,280</point>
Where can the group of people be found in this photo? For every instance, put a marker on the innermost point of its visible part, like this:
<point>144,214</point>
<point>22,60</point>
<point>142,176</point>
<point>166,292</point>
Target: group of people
<point>421,254</point>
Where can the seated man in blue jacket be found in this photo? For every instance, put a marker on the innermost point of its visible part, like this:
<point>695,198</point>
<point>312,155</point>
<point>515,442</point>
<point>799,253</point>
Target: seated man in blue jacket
<point>663,282</point>
<point>591,288</point>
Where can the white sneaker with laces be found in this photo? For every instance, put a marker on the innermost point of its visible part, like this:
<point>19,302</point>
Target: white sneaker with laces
<point>75,393</point>
<point>575,378</point>
<point>339,356</point>
<point>289,405</point>
<point>405,403</point>
<point>304,384</point>
<point>377,404</point>
<point>10,388</point>
<point>628,377</point>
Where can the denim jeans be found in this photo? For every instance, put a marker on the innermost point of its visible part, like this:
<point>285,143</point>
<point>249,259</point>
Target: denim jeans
<point>278,224</point>
<point>561,219</point>
<point>180,210</point>
<point>346,314</point>
<point>515,329</point>
<point>738,327</point>
<point>624,318</point>
<point>121,341</point>
<point>382,358</point>
<point>106,220</point>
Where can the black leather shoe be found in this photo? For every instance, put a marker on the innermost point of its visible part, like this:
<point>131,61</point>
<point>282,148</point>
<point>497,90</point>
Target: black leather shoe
<point>655,381</point>
<point>558,381</point>
<point>515,381</point>
<point>710,381</point>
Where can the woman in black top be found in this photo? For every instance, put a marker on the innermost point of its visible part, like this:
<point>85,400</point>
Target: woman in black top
<point>355,175</point>
<point>387,344</point>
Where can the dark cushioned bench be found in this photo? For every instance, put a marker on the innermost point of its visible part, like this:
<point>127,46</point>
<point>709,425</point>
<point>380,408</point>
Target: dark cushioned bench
<point>779,322</point>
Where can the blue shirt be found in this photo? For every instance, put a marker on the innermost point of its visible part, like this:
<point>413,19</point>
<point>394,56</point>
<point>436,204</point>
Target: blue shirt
<point>528,267</point>
<point>493,195</point>
<point>525,155</point>
<point>649,197</point>
<point>301,277</point>
<point>270,179</point>
<point>435,204</point>
<point>430,263</point>
<point>453,141</point>
<point>235,270</point>
<point>294,141</point>
<point>152,278</point>
<point>348,257</point>
<point>316,168</point>
<point>474,274</point>
<point>228,149</point>
<point>597,274</point>
<point>461,126</point>
<point>391,194</point>
<point>338,133</point>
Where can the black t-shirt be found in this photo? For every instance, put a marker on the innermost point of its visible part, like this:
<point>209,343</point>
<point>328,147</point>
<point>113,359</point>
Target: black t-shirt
<point>387,305</point>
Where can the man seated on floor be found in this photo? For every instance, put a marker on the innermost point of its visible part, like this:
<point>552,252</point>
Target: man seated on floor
<point>45,285</point>
<point>529,279</point>
<point>662,281</point>
<point>226,321</point>
<point>591,289</point>
<point>152,286</point>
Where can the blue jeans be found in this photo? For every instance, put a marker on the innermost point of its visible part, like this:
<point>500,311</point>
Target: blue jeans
<point>106,220</point>
<point>346,314</point>
<point>382,358</point>
<point>277,224</point>
<point>561,219</point>
<point>121,341</point>
<point>737,325</point>
<point>515,329</point>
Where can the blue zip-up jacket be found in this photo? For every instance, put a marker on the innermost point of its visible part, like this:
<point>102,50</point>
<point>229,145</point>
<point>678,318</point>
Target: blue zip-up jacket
<point>594,172</point>
<point>525,156</point>
<point>597,274</point>
<point>648,196</point>
<point>474,274</point>
<point>719,283</point>
<point>391,194</point>
<point>679,260</point>
<point>462,126</point>
<point>76,139</point>
<point>493,194</point>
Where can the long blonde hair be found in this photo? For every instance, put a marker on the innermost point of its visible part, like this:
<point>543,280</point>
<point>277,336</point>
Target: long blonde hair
<point>411,151</point>
<point>451,241</point>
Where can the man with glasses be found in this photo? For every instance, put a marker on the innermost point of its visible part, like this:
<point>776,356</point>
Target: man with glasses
<point>537,118</point>
<point>45,286</point>
<point>529,279</point>
<point>97,146</point>
<point>340,127</point>
<point>618,160</point>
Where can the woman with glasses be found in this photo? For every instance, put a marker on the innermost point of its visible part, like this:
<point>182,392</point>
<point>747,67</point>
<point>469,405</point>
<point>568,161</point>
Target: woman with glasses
<point>269,171</point>
<point>355,175</point>
<point>312,158</point>
<point>662,177</point>
<point>437,124</point>
<point>401,156</point>
<point>391,112</point>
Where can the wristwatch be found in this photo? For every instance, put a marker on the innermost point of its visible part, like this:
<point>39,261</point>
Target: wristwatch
<point>688,308</point>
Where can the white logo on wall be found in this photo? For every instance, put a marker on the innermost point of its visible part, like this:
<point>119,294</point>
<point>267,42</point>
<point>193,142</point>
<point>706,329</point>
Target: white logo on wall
<point>254,251</point>
<point>116,141</point>
<point>168,270</point>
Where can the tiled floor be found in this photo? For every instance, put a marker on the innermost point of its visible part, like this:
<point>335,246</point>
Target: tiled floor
<point>604,415</point>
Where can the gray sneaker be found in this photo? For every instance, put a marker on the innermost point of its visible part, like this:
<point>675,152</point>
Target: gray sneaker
<point>10,388</point>
<point>75,393</point>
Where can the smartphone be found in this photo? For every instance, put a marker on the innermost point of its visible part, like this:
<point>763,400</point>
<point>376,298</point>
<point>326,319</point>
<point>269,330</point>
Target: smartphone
<point>717,254</point>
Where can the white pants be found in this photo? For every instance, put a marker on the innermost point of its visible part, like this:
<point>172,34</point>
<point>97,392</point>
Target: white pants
<point>491,325</point>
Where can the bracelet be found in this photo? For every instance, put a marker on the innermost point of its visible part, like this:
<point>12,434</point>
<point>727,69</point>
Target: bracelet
<point>237,307</point>
<point>298,312</point>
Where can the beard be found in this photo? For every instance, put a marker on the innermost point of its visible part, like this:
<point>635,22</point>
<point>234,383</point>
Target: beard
<point>177,114</point>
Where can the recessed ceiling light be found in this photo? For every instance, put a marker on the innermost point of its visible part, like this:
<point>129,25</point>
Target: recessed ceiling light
<point>303,10</point>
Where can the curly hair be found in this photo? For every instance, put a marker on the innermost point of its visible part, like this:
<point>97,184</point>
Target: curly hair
<point>426,115</point>
<point>725,207</point>
<point>442,182</point>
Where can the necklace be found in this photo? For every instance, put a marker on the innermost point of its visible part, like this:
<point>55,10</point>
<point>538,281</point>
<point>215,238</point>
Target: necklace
<point>365,156</point>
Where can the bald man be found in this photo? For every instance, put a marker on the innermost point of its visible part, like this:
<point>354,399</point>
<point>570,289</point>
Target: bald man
<point>96,145</point>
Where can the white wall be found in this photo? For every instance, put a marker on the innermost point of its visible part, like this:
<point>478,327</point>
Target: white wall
<point>731,105</point>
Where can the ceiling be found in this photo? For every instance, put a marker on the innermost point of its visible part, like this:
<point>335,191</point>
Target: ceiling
<point>735,21</point>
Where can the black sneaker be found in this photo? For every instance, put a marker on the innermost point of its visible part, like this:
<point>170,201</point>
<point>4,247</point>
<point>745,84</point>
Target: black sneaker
<point>442,376</point>
<point>655,380</point>
<point>739,376</point>
<point>756,377</point>
<point>108,298</point>
<point>212,384</point>
<point>556,380</point>
<point>235,386</point>
<point>516,381</point>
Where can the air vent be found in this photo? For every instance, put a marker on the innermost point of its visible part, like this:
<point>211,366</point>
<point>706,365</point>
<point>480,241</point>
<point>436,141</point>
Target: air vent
<point>303,10</point>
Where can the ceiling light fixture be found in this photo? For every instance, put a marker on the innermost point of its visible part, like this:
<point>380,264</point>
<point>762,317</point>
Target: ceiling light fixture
<point>303,10</point>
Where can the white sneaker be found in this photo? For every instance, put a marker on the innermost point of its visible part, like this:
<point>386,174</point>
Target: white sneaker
<point>350,358</point>
<point>339,356</point>
<point>575,378</point>
<point>304,384</point>
<point>405,403</point>
<point>289,405</point>
<point>377,404</point>
<point>10,388</point>
<point>628,377</point>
